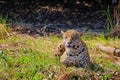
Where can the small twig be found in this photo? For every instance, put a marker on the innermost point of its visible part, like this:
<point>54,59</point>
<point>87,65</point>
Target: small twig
<point>6,32</point>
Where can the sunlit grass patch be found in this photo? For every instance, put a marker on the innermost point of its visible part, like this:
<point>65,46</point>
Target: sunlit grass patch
<point>26,57</point>
<point>26,64</point>
<point>29,59</point>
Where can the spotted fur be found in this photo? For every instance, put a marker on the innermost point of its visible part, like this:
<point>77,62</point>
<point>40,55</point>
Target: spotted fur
<point>75,50</point>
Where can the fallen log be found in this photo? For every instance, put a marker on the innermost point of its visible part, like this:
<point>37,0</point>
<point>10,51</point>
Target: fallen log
<point>110,50</point>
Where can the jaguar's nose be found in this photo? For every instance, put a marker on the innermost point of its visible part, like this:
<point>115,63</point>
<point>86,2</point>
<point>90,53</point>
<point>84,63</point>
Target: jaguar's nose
<point>69,42</point>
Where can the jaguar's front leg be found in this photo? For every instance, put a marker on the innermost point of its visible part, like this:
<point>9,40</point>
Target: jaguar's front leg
<point>60,50</point>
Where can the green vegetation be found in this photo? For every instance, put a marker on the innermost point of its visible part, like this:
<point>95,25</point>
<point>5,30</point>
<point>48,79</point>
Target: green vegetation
<point>24,57</point>
<point>4,30</point>
<point>109,25</point>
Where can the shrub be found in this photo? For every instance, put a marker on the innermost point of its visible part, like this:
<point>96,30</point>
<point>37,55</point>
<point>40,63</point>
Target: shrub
<point>4,30</point>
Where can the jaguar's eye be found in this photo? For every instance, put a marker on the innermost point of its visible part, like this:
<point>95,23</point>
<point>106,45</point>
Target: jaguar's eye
<point>70,54</point>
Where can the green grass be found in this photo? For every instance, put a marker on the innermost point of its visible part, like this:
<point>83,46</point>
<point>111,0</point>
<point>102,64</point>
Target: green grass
<point>109,18</point>
<point>29,58</point>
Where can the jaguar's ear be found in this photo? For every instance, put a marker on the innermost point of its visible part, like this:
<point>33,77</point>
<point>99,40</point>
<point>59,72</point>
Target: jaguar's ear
<point>62,32</point>
<point>80,33</point>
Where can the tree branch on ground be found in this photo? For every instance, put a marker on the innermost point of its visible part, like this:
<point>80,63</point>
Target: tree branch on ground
<point>110,50</point>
